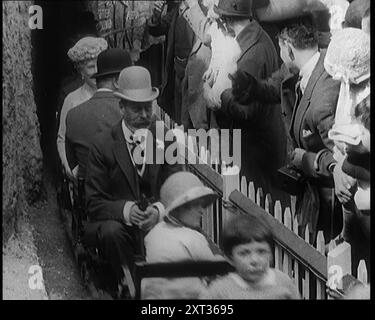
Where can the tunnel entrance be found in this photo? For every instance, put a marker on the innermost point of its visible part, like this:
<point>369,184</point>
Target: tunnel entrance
<point>63,23</point>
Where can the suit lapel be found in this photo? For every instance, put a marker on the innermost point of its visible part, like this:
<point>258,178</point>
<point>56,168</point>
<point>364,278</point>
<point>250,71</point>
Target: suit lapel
<point>123,159</point>
<point>300,111</point>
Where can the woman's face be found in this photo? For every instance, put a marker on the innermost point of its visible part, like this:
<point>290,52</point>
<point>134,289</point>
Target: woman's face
<point>87,69</point>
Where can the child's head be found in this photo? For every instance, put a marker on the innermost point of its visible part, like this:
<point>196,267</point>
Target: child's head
<point>186,198</point>
<point>247,242</point>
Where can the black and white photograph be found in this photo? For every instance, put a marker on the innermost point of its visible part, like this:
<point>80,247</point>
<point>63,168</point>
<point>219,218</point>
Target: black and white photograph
<point>190,150</point>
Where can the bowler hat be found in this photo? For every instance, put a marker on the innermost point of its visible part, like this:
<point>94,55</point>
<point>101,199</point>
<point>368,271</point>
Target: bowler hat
<point>182,188</point>
<point>234,8</point>
<point>112,61</point>
<point>135,85</point>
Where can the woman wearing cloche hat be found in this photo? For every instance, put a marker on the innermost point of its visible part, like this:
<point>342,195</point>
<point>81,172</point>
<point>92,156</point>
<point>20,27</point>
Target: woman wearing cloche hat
<point>177,238</point>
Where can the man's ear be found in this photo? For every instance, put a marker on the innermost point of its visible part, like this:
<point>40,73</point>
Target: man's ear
<point>122,109</point>
<point>290,52</point>
<point>115,83</point>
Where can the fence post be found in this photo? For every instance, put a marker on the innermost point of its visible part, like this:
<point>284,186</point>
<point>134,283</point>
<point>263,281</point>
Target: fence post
<point>296,263</point>
<point>362,272</point>
<point>293,201</point>
<point>268,204</point>
<point>278,250</point>
<point>306,280</point>
<point>338,264</point>
<point>320,287</point>
<point>231,182</point>
<point>251,191</point>
<point>244,186</point>
<point>287,260</point>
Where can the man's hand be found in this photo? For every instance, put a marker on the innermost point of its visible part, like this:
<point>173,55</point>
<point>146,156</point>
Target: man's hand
<point>343,184</point>
<point>158,10</point>
<point>297,156</point>
<point>151,219</point>
<point>136,215</point>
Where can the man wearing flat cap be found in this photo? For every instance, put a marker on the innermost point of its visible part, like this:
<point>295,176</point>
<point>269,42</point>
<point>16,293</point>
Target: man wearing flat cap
<point>98,113</point>
<point>118,176</point>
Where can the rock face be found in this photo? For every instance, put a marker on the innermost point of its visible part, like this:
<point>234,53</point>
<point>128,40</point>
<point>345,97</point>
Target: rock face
<point>22,157</point>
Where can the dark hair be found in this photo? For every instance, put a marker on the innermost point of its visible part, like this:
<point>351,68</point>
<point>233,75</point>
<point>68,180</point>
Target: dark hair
<point>362,112</point>
<point>105,78</point>
<point>244,229</point>
<point>367,13</point>
<point>301,33</point>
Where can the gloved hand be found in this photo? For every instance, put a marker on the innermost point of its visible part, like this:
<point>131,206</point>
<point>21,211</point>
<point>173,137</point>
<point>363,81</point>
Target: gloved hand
<point>244,86</point>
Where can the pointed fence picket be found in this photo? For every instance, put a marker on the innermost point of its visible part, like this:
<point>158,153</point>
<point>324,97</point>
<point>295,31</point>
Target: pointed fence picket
<point>244,186</point>
<point>296,265</point>
<point>362,272</point>
<point>320,286</point>
<point>287,259</point>
<point>306,280</point>
<point>251,191</point>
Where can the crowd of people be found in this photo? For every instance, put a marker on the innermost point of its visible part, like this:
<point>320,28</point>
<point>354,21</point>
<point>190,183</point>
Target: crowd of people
<point>302,102</point>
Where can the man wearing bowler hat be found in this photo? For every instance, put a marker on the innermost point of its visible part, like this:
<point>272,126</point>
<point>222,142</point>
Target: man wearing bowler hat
<point>116,180</point>
<point>98,113</point>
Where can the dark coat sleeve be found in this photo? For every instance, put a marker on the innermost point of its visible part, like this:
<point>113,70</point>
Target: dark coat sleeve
<point>325,98</point>
<point>100,204</point>
<point>250,64</point>
<point>69,148</point>
<point>269,90</point>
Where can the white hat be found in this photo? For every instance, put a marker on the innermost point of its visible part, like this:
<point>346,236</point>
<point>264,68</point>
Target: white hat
<point>87,48</point>
<point>181,188</point>
<point>348,56</point>
<point>135,85</point>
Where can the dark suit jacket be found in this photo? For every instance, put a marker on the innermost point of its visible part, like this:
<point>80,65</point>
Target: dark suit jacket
<point>98,114</point>
<point>263,136</point>
<point>111,177</point>
<point>167,26</point>
<point>315,114</point>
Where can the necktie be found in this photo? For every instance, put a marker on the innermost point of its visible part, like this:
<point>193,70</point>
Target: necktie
<point>298,92</point>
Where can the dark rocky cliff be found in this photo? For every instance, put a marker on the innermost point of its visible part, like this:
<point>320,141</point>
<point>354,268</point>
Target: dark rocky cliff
<point>22,157</point>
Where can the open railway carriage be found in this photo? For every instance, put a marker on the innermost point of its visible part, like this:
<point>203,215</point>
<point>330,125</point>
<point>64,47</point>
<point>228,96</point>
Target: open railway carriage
<point>310,265</point>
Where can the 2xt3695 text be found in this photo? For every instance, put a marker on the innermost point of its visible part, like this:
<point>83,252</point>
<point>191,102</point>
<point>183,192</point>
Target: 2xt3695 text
<point>207,309</point>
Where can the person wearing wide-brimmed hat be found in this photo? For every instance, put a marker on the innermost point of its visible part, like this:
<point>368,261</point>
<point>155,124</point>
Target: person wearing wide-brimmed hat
<point>177,238</point>
<point>83,55</point>
<point>118,175</point>
<point>98,113</point>
<point>348,60</point>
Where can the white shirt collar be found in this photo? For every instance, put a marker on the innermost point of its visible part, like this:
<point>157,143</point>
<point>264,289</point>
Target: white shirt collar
<point>307,70</point>
<point>127,132</point>
<point>104,90</point>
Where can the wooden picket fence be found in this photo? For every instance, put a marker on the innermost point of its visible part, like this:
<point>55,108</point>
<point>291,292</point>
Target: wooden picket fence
<point>310,266</point>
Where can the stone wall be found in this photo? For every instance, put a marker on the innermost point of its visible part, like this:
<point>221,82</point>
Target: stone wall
<point>22,158</point>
